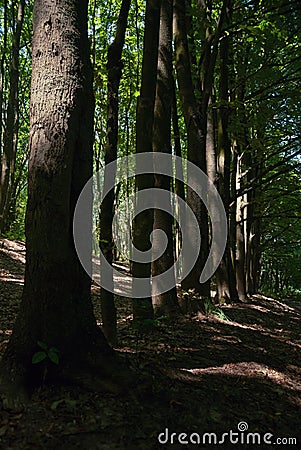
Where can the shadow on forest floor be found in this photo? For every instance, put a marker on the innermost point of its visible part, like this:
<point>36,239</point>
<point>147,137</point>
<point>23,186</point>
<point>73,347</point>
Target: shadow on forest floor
<point>208,375</point>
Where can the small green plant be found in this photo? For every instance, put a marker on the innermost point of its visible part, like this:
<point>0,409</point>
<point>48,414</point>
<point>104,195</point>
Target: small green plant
<point>46,353</point>
<point>145,326</point>
<point>69,404</point>
<point>211,309</point>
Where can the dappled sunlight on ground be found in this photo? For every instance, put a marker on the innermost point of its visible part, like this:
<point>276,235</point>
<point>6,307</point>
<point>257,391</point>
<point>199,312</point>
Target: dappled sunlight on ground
<point>206,374</point>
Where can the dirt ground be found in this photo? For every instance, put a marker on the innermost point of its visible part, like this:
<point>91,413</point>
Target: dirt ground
<point>209,375</point>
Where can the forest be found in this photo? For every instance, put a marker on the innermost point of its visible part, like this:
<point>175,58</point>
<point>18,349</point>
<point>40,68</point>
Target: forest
<point>150,259</point>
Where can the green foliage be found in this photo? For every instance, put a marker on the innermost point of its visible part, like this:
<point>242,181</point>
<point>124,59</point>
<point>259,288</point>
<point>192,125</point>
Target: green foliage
<point>47,353</point>
<point>213,310</point>
<point>264,104</point>
<point>69,404</point>
<point>18,178</point>
<point>147,325</point>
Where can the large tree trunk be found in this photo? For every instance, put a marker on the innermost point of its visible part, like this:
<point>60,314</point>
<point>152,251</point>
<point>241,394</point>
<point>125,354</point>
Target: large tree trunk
<point>114,67</point>
<point>11,127</point>
<point>56,307</point>
<point>165,303</point>
<point>225,275</point>
<point>143,223</point>
<point>196,137</point>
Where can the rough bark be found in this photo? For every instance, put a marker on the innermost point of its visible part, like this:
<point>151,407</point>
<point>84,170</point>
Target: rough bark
<point>240,236</point>
<point>114,68</point>
<point>165,303</point>
<point>211,146</point>
<point>253,227</point>
<point>2,75</point>
<point>179,187</point>
<point>225,275</point>
<point>196,137</point>
<point>56,306</point>
<point>143,223</point>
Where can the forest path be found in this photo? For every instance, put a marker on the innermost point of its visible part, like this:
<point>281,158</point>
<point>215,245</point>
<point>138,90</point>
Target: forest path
<point>208,375</point>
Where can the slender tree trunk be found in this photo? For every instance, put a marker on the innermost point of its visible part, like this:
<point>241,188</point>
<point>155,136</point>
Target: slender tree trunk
<point>165,303</point>
<point>143,223</point>
<point>114,67</point>
<point>179,187</point>
<point>195,113</point>
<point>10,140</point>
<point>211,147</point>
<point>253,226</point>
<point>241,202</point>
<point>56,305</point>
<point>225,276</point>
<point>196,135</point>
<point>240,236</point>
<point>2,83</point>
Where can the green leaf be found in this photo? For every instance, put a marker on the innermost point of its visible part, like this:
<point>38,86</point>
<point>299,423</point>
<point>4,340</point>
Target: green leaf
<point>55,404</point>
<point>70,404</point>
<point>42,345</point>
<point>53,356</point>
<point>54,349</point>
<point>38,357</point>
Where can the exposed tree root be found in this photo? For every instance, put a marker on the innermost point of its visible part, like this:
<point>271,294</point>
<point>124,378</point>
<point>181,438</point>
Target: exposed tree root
<point>110,374</point>
<point>14,392</point>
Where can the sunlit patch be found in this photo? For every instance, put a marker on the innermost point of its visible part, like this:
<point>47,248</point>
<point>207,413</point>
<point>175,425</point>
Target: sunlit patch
<point>248,370</point>
<point>126,350</point>
<point>229,339</point>
<point>14,249</point>
<point>10,279</point>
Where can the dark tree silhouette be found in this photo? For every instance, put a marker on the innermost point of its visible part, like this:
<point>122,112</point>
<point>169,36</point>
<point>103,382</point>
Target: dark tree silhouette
<point>56,307</point>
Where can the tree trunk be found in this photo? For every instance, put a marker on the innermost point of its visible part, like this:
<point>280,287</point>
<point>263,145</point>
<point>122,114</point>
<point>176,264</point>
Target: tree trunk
<point>196,136</point>
<point>56,306</point>
<point>165,303</point>
<point>10,140</point>
<point>114,67</point>
<point>143,223</point>
<point>253,238</point>
<point>179,187</point>
<point>225,276</point>
<point>240,236</point>
<point>2,81</point>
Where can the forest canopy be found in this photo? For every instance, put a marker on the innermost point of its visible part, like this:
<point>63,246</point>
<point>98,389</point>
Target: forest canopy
<point>243,78</point>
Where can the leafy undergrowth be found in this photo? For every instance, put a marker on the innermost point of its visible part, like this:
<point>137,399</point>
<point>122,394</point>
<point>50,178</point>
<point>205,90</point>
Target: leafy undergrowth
<point>208,376</point>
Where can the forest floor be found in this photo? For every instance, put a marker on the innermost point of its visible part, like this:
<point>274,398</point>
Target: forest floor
<point>209,375</point>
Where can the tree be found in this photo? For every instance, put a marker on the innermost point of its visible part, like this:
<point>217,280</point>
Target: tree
<point>225,275</point>
<point>196,141</point>
<point>114,68</point>
<point>56,309</point>
<point>143,223</point>
<point>165,303</point>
